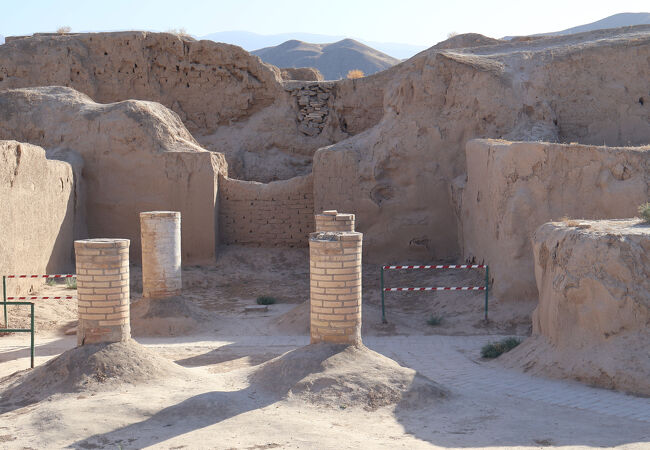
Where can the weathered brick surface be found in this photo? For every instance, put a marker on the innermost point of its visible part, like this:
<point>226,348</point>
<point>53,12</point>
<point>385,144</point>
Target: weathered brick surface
<point>335,287</point>
<point>277,214</point>
<point>334,221</point>
<point>103,290</point>
<point>161,253</point>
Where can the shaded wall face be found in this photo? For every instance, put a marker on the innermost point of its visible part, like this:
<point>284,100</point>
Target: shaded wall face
<point>184,182</point>
<point>513,188</point>
<point>277,214</point>
<point>37,215</point>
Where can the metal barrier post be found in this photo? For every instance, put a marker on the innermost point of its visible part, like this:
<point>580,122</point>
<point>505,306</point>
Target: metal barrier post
<point>32,333</point>
<point>487,283</point>
<point>4,298</point>
<point>383,309</point>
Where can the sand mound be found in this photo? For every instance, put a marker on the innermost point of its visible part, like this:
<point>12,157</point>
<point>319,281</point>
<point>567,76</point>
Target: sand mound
<point>165,317</point>
<point>94,367</point>
<point>342,376</point>
<point>294,321</point>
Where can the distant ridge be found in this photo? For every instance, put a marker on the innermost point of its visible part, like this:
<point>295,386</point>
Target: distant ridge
<point>334,61</point>
<point>253,41</point>
<point>614,21</point>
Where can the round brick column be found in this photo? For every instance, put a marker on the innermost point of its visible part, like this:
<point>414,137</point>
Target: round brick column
<point>333,220</point>
<point>160,233</point>
<point>103,290</point>
<point>335,287</point>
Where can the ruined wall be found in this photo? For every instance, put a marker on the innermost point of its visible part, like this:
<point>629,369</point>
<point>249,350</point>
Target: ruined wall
<point>37,214</point>
<point>277,214</point>
<point>137,155</point>
<point>396,176</point>
<point>514,187</point>
<point>592,319</point>
<point>207,84</point>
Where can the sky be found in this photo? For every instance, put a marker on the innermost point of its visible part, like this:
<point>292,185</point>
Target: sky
<point>418,22</point>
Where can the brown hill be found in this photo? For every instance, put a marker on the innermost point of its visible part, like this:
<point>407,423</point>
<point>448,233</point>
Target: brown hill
<point>334,61</point>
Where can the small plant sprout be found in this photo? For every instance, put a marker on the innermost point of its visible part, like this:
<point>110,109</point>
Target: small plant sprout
<point>51,281</point>
<point>266,300</point>
<point>434,321</point>
<point>644,212</point>
<point>71,283</point>
<point>495,349</point>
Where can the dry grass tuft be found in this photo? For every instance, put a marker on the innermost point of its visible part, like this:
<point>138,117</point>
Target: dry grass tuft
<point>354,74</point>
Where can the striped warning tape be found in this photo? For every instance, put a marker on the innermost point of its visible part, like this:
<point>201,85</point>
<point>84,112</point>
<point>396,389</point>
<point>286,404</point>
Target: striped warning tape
<point>471,288</point>
<point>67,297</point>
<point>446,266</point>
<point>65,275</point>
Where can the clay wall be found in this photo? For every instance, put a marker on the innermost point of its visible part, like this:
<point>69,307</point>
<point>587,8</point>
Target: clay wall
<point>37,214</point>
<point>514,187</point>
<point>277,214</point>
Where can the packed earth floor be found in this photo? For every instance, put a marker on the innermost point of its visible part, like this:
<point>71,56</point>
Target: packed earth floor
<point>199,384</point>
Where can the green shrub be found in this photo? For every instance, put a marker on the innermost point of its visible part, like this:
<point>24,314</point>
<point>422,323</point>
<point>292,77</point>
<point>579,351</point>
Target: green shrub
<point>644,212</point>
<point>265,300</point>
<point>71,283</point>
<point>434,321</point>
<point>51,281</point>
<point>495,349</point>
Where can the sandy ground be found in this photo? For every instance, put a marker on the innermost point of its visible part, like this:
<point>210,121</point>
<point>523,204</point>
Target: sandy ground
<point>226,390</point>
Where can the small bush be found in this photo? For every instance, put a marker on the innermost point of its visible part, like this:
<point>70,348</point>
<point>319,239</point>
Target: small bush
<point>64,30</point>
<point>644,212</point>
<point>265,300</point>
<point>180,32</point>
<point>354,74</point>
<point>71,283</point>
<point>51,281</point>
<point>434,321</point>
<point>495,349</point>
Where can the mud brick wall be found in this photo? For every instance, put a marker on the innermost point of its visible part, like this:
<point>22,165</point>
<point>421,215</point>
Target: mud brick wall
<point>276,214</point>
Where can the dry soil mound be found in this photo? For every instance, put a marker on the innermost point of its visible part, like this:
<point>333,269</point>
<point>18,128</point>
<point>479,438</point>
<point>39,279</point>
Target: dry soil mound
<point>345,376</point>
<point>165,317</point>
<point>94,367</point>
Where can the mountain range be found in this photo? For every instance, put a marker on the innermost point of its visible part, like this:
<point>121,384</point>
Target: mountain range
<point>334,61</point>
<point>253,41</point>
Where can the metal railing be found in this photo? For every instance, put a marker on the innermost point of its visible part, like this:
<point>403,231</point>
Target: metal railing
<point>439,266</point>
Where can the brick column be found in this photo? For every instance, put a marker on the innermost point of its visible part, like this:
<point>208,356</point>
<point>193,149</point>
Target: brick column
<point>332,220</point>
<point>103,290</point>
<point>160,233</point>
<point>335,287</point>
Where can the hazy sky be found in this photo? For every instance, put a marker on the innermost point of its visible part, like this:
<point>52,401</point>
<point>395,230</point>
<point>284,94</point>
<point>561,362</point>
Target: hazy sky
<point>422,22</point>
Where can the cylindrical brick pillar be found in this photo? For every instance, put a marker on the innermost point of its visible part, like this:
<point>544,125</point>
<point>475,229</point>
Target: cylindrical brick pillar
<point>333,220</point>
<point>103,290</point>
<point>335,287</point>
<point>160,233</point>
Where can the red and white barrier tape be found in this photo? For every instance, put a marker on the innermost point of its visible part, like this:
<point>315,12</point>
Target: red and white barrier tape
<point>474,288</point>
<point>66,275</point>
<point>446,266</point>
<point>66,297</point>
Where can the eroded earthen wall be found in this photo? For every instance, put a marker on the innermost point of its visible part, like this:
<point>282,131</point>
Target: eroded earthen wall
<point>514,187</point>
<point>37,214</point>
<point>277,214</point>
<point>591,322</point>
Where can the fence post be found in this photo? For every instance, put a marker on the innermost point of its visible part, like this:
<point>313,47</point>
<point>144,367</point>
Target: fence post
<point>32,333</point>
<point>487,284</point>
<point>383,309</point>
<point>4,298</point>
